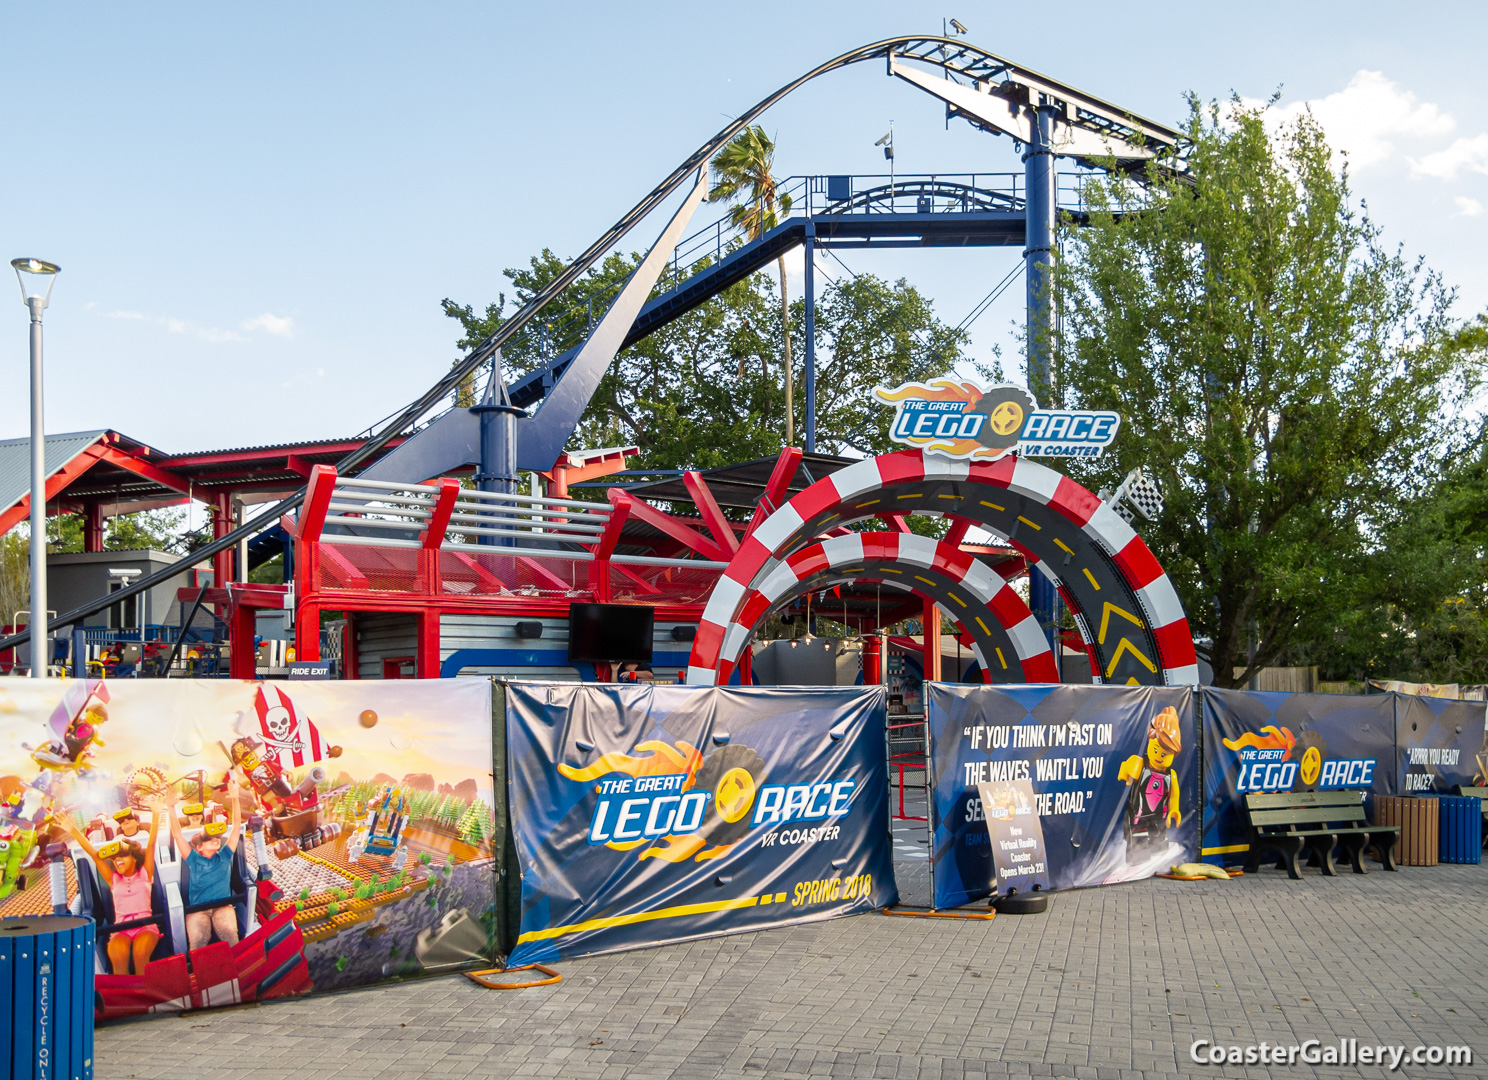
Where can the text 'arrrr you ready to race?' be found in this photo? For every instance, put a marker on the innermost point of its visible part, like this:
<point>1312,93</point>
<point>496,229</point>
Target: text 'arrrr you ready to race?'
<point>1317,1052</point>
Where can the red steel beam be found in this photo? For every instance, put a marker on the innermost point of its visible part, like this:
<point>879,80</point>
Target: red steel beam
<point>140,467</point>
<point>684,534</point>
<point>776,488</point>
<point>707,506</point>
<point>55,485</point>
<point>439,519</point>
<point>317,501</point>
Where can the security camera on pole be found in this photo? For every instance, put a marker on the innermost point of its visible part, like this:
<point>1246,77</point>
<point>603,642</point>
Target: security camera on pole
<point>887,142</point>
<point>37,276</point>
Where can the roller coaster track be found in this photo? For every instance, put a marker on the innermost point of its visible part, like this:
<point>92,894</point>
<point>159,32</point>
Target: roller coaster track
<point>919,210</point>
<point>960,62</point>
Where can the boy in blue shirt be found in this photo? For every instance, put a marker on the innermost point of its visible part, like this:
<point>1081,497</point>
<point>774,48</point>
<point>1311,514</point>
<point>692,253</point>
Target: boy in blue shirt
<point>209,860</point>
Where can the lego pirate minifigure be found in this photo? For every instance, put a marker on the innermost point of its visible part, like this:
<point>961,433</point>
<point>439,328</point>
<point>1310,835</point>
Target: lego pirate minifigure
<point>1152,782</point>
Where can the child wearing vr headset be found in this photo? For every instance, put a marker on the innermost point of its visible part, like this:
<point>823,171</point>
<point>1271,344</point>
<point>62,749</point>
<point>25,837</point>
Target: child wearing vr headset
<point>129,871</point>
<point>209,858</point>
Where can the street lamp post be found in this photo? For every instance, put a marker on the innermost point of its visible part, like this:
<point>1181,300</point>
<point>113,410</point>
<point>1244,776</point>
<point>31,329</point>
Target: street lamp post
<point>37,276</point>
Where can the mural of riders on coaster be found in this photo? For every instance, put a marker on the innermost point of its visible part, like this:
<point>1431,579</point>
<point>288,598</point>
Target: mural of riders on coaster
<point>244,841</point>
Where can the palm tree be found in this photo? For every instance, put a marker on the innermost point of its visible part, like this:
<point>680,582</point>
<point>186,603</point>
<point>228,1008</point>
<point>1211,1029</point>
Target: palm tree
<point>741,172</point>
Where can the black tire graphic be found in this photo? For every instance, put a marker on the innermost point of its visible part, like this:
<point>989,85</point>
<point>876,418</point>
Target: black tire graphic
<point>715,766</point>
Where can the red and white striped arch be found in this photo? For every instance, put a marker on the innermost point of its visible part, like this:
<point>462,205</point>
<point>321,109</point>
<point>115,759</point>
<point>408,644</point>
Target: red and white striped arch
<point>849,495</point>
<point>971,595</point>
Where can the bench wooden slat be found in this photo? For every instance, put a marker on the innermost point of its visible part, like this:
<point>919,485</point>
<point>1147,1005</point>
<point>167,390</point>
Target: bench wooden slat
<point>1270,800</point>
<point>1307,817</point>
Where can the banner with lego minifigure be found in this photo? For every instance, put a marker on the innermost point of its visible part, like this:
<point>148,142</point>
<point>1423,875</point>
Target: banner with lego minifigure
<point>1114,774</point>
<point>1385,744</point>
<point>651,814</point>
<point>240,841</point>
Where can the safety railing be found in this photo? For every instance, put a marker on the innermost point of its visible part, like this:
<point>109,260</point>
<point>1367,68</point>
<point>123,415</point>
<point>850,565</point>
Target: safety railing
<point>478,543</point>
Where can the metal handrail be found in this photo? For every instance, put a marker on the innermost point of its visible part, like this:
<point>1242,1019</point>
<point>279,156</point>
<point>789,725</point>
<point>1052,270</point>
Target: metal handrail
<point>487,515</point>
<point>360,508</point>
<point>500,496</point>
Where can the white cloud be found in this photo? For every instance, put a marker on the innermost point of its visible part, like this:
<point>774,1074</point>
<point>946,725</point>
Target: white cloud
<point>1470,154</point>
<point>1467,207</point>
<point>1360,119</point>
<point>272,324</point>
<point>278,325</point>
<point>211,333</point>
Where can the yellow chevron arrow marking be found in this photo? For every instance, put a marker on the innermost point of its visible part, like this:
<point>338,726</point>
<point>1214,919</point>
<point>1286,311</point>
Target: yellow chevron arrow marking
<point>1132,681</point>
<point>1127,646</point>
<point>1106,620</point>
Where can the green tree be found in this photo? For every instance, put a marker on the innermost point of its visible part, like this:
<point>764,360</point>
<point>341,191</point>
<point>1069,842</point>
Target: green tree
<point>697,392</point>
<point>147,529</point>
<point>1288,381</point>
<point>742,173</point>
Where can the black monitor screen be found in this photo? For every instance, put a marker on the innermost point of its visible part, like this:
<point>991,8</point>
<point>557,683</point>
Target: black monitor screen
<point>609,633</point>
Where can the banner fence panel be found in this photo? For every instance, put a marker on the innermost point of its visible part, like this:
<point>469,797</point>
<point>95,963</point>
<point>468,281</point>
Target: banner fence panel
<point>1114,772</point>
<point>651,814</point>
<point>241,841</point>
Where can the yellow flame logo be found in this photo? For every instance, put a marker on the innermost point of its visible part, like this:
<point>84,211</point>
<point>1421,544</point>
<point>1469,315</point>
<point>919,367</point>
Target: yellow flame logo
<point>941,390</point>
<point>1278,739</point>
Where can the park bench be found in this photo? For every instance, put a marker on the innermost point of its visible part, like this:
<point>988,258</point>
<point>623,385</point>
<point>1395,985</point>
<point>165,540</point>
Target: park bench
<point>1481,794</point>
<point>1290,822</point>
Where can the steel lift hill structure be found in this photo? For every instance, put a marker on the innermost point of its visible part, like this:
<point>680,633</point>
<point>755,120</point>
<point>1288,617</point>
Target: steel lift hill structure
<point>526,425</point>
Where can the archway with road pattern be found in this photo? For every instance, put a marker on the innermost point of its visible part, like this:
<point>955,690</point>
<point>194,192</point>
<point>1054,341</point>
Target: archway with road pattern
<point>1125,608</point>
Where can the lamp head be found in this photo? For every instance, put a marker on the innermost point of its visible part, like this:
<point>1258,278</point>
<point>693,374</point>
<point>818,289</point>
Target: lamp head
<point>36,277</point>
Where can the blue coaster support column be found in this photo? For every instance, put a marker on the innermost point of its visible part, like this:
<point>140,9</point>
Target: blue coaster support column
<point>810,250</point>
<point>498,445</point>
<point>1038,261</point>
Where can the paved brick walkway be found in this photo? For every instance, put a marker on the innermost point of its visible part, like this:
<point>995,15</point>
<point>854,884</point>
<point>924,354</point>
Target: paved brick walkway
<point>1113,983</point>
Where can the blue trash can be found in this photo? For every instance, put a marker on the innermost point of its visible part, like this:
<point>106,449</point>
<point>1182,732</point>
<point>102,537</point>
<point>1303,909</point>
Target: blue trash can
<point>1461,829</point>
<point>46,997</point>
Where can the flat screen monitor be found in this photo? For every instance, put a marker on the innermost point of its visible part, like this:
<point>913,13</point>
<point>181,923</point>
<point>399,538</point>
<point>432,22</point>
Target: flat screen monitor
<point>610,633</point>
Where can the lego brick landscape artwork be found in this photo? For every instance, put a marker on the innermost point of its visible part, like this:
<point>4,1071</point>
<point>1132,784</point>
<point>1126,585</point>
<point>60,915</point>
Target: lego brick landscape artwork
<point>239,841</point>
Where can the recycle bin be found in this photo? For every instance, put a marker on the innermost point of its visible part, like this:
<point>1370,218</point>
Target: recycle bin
<point>1461,829</point>
<point>46,997</point>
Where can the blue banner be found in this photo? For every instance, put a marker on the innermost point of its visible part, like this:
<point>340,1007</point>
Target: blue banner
<point>1114,772</point>
<point>1440,744</point>
<point>1262,741</point>
<point>651,814</point>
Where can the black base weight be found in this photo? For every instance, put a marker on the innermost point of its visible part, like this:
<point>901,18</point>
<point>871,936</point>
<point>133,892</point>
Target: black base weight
<point>1021,903</point>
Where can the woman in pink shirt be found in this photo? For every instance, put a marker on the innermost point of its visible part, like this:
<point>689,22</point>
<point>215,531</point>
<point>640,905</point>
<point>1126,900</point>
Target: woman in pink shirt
<point>129,871</point>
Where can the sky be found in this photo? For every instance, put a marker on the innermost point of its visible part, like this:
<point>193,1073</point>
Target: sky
<point>258,209</point>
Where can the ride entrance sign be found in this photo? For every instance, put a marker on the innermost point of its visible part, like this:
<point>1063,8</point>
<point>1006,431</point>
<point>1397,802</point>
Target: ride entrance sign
<point>1016,835</point>
<point>962,418</point>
